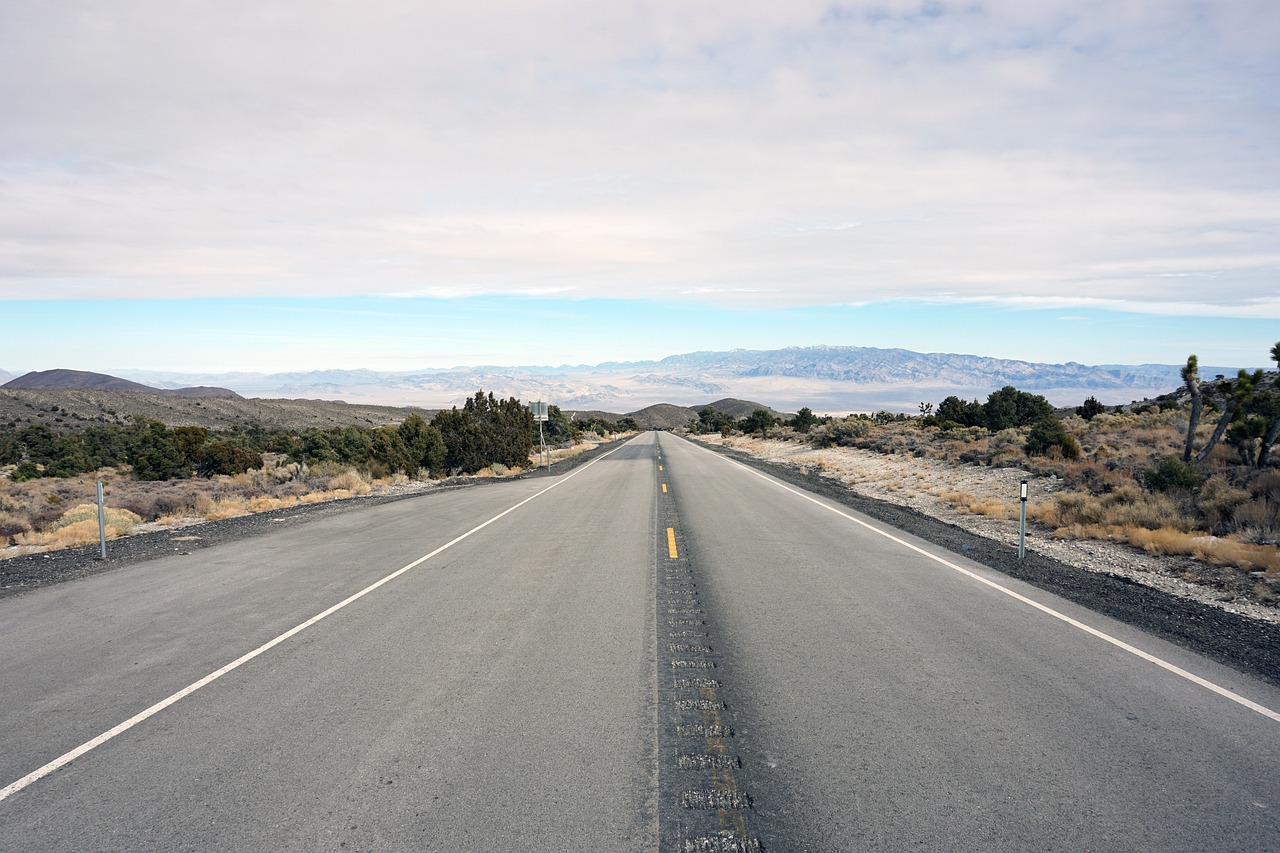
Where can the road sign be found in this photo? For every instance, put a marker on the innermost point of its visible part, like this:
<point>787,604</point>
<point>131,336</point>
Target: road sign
<point>539,410</point>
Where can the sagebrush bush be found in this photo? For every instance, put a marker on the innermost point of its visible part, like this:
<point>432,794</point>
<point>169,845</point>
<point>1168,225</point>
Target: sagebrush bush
<point>11,524</point>
<point>1172,473</point>
<point>1217,502</point>
<point>844,432</point>
<point>351,482</point>
<point>1126,506</point>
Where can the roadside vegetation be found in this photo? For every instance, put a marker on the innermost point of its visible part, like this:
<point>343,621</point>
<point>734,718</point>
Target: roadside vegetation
<point>154,473</point>
<point>1191,474</point>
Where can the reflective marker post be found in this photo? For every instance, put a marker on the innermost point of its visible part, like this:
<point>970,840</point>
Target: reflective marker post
<point>102,525</point>
<point>1022,524</point>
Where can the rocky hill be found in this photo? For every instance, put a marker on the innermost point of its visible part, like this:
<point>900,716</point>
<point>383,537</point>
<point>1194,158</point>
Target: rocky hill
<point>76,408</point>
<point>62,380</point>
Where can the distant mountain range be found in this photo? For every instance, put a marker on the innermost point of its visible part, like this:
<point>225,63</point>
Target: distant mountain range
<point>50,380</point>
<point>826,379</point>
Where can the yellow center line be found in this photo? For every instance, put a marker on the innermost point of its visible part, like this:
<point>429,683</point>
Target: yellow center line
<point>664,487</point>
<point>671,543</point>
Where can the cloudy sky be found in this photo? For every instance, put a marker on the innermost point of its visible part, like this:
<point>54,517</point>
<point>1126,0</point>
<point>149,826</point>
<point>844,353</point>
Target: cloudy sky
<point>281,185</point>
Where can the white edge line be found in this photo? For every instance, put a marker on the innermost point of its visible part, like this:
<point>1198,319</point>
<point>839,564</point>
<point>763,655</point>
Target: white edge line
<point>1115,641</point>
<point>67,758</point>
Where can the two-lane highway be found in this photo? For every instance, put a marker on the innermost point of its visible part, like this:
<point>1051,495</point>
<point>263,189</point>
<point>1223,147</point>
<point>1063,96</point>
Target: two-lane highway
<point>887,701</point>
<point>660,650</point>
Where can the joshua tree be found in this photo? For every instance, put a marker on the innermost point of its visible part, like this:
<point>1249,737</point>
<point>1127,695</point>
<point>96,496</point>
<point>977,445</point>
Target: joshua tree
<point>1191,377</point>
<point>1238,393</point>
<point>1273,432</point>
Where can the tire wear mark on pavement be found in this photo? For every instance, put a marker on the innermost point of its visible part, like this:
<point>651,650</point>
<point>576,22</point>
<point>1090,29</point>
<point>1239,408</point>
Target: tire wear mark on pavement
<point>705,802</point>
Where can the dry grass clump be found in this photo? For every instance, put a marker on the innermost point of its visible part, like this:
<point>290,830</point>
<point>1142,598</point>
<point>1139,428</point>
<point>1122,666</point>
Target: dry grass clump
<point>350,481</point>
<point>965,502</point>
<point>1126,506</point>
<point>1172,542</point>
<point>79,526</point>
<point>263,503</point>
<point>233,507</point>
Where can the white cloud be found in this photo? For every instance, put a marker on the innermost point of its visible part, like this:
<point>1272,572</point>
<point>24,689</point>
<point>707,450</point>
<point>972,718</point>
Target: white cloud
<point>799,153</point>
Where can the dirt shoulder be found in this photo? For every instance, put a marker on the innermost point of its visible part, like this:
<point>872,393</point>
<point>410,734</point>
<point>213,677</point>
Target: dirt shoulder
<point>1114,580</point>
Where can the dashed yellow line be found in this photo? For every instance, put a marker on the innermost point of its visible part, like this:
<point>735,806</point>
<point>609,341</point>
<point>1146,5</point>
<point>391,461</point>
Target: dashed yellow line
<point>671,543</point>
<point>664,488</point>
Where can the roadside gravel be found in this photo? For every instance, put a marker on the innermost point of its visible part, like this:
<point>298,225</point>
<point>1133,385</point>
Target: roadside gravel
<point>1110,579</point>
<point>26,572</point>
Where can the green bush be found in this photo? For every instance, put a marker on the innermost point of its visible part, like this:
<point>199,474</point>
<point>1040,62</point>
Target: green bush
<point>804,420</point>
<point>485,430</point>
<point>1090,409</point>
<point>844,432</point>
<point>1172,474</point>
<point>1049,433</point>
<point>219,458</point>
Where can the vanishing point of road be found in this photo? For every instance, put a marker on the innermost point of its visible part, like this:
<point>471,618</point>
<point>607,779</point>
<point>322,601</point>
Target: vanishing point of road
<point>660,650</point>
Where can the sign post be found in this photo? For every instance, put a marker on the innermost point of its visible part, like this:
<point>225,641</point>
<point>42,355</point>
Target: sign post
<point>539,410</point>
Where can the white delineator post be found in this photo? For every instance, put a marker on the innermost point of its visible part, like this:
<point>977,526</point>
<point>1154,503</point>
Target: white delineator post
<point>1022,523</point>
<point>102,525</point>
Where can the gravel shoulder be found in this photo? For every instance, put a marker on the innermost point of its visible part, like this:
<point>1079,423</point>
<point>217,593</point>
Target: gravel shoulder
<point>23,573</point>
<point>1113,580</point>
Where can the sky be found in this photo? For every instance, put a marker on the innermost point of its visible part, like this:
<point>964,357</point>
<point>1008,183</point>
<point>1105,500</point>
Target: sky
<point>220,186</point>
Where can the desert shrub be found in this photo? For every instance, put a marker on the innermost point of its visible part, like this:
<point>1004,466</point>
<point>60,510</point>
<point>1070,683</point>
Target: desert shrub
<point>954,412</point>
<point>26,470</point>
<point>263,503</point>
<point>1173,474</point>
<point>351,482</point>
<point>1090,409</point>
<point>760,420</point>
<point>1049,433</point>
<point>324,470</point>
<point>1093,477</point>
<point>1010,407</point>
<point>44,516</point>
<point>140,503</point>
<point>1257,521</point>
<point>159,454</point>
<point>1217,502</point>
<point>153,500</point>
<point>12,524</point>
<point>121,519</point>
<point>844,432</point>
<point>1125,506</point>
<point>225,508</point>
<point>220,458</point>
<point>425,448</point>
<point>1266,486</point>
<point>485,430</point>
<point>804,420</point>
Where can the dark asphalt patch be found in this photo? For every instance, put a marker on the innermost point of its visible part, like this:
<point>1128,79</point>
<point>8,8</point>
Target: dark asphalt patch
<point>704,797</point>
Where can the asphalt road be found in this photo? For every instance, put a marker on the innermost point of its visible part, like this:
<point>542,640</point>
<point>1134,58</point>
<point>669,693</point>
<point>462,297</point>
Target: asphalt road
<point>664,649</point>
